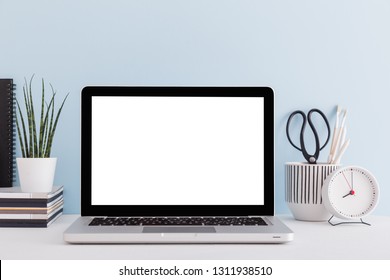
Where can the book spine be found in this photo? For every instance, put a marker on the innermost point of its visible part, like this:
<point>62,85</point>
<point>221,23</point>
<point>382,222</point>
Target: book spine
<point>18,194</point>
<point>29,216</point>
<point>30,223</point>
<point>7,135</point>
<point>20,202</point>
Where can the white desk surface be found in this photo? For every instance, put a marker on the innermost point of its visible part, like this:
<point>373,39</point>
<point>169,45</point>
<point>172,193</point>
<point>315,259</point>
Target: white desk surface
<point>312,240</point>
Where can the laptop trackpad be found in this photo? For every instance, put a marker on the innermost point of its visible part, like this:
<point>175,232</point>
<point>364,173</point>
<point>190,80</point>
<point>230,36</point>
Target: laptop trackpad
<point>179,230</point>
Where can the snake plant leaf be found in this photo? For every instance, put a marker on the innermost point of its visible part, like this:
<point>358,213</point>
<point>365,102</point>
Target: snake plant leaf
<point>33,142</point>
<point>28,115</point>
<point>50,116</point>
<point>24,145</point>
<point>41,125</point>
<point>32,116</point>
<point>52,132</point>
<point>20,136</point>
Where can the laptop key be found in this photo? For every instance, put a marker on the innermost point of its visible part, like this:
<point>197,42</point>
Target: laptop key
<point>178,221</point>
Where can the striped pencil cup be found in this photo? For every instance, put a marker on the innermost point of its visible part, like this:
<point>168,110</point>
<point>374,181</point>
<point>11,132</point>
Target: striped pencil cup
<point>304,187</point>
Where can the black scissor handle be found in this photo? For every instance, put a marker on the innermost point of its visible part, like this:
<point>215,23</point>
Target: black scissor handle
<point>315,131</point>
<point>302,129</point>
<point>310,158</point>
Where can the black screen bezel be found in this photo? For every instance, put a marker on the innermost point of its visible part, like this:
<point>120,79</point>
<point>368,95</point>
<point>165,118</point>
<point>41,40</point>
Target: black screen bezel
<point>87,209</point>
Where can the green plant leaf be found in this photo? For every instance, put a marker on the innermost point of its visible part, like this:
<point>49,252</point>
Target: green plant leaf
<point>28,115</point>
<point>47,127</point>
<point>20,135</point>
<point>32,144</point>
<point>50,128</point>
<point>34,129</point>
<point>52,132</point>
<point>41,125</point>
<point>26,148</point>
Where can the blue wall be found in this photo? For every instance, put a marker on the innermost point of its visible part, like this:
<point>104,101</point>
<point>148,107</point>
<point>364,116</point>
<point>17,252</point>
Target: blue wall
<point>313,53</point>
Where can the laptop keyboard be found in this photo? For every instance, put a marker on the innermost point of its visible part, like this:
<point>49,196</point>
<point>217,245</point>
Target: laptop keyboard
<point>178,221</point>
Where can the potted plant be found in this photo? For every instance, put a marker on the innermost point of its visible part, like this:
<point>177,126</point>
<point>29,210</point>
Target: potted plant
<point>36,168</point>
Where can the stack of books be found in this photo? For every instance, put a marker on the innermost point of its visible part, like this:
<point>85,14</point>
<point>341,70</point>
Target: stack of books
<point>20,209</point>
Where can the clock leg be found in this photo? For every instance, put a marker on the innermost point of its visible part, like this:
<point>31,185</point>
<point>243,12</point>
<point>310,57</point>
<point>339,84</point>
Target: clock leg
<point>336,224</point>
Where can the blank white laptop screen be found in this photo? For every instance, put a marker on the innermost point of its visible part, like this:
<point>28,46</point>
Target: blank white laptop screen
<point>177,150</point>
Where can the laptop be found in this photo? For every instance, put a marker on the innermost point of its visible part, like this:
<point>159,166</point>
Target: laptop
<point>177,165</point>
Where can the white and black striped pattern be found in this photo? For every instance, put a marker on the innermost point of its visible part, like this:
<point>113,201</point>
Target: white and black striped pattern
<point>304,182</point>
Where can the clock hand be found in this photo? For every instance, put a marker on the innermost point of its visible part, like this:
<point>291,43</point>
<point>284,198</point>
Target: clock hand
<point>347,181</point>
<point>352,192</point>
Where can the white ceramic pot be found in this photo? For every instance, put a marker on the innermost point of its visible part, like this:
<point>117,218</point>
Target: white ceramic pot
<point>36,174</point>
<point>304,189</point>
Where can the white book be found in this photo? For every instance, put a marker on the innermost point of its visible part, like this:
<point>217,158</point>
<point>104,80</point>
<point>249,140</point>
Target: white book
<point>30,216</point>
<point>16,192</point>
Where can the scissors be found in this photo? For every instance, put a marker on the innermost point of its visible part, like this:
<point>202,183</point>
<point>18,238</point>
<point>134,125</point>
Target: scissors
<point>312,159</point>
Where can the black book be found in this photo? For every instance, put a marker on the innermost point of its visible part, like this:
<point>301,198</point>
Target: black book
<point>32,222</point>
<point>14,197</point>
<point>7,133</point>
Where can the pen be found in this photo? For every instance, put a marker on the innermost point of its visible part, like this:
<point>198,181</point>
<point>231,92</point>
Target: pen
<point>343,134</point>
<point>339,135</point>
<point>335,135</point>
<point>333,146</point>
<point>341,152</point>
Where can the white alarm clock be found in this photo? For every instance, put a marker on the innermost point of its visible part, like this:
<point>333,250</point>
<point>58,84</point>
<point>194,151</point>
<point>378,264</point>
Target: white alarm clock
<point>350,192</point>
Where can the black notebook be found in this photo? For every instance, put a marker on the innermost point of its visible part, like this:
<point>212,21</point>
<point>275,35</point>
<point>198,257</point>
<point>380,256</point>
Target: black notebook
<point>7,133</point>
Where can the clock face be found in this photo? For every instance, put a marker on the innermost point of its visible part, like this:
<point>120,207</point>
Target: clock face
<point>350,192</point>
